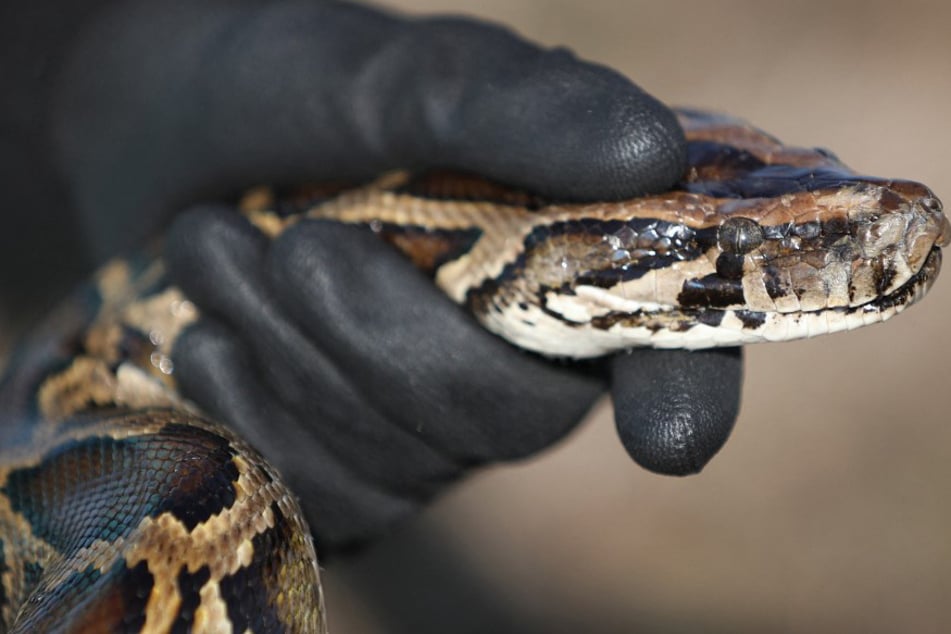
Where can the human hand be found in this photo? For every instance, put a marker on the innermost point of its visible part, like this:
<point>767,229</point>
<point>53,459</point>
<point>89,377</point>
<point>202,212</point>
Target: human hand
<point>365,386</point>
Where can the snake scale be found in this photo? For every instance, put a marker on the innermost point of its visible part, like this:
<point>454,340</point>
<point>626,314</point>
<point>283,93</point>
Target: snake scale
<point>123,509</point>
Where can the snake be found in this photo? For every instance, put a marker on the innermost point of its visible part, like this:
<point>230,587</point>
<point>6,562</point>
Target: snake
<point>124,508</point>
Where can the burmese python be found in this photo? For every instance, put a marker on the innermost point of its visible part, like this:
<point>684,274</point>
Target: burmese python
<point>122,509</point>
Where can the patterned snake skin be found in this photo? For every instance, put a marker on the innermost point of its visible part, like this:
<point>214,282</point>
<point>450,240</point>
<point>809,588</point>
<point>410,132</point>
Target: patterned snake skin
<point>122,509</point>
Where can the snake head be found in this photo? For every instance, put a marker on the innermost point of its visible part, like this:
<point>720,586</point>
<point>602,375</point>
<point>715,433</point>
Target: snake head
<point>848,252</point>
<point>759,243</point>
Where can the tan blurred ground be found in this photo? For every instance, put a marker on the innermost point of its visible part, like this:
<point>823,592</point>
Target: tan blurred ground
<point>829,509</point>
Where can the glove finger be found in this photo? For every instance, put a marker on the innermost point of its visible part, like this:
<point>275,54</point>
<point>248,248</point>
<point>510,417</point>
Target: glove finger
<point>461,94</point>
<point>215,370</point>
<point>675,409</point>
<point>218,259</point>
<point>224,93</point>
<point>417,356</point>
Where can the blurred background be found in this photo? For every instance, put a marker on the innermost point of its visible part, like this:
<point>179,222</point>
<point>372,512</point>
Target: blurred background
<point>829,509</point>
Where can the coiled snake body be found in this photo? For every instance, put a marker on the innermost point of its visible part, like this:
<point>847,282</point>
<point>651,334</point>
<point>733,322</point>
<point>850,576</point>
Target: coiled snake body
<point>122,509</point>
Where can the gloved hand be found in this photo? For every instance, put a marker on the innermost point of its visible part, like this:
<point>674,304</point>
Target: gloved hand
<point>339,361</point>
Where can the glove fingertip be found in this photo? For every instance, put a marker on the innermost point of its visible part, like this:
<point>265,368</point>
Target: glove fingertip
<point>479,98</point>
<point>675,409</point>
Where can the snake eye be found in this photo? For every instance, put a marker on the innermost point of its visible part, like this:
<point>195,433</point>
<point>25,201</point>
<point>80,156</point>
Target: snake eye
<point>739,235</point>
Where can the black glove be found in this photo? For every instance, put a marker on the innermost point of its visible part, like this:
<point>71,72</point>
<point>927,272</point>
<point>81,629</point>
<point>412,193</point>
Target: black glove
<point>348,369</point>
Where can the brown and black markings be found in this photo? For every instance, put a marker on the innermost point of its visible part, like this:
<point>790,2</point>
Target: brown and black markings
<point>121,508</point>
<point>190,515</point>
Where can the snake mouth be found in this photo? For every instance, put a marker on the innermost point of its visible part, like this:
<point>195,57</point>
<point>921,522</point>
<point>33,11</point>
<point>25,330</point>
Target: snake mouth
<point>752,327</point>
<point>911,291</point>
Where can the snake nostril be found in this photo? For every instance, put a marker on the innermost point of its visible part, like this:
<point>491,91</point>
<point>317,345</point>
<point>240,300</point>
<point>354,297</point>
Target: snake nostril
<point>932,204</point>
